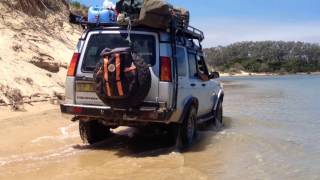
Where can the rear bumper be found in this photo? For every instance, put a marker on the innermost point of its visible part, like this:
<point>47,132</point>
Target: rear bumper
<point>146,114</point>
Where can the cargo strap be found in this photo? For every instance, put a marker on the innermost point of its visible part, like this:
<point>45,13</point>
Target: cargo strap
<point>132,68</point>
<point>118,74</point>
<point>106,75</point>
<point>118,78</point>
<point>129,31</point>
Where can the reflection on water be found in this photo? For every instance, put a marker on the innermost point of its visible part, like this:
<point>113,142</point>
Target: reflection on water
<point>267,135</point>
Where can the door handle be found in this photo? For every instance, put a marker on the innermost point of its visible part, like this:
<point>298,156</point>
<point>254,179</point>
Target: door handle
<point>193,85</point>
<point>204,84</point>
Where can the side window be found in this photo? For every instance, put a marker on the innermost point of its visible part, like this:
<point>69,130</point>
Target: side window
<point>202,69</point>
<point>192,66</point>
<point>182,64</point>
<point>202,65</point>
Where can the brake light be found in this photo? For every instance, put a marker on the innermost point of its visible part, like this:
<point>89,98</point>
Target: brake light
<point>165,73</point>
<point>149,115</point>
<point>73,64</point>
<point>75,110</point>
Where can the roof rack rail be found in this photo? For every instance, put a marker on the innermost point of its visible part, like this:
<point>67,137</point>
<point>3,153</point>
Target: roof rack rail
<point>192,32</point>
<point>189,32</point>
<point>94,25</point>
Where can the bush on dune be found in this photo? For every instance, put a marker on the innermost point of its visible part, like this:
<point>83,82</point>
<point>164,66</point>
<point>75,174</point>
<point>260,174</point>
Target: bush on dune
<point>77,8</point>
<point>38,8</point>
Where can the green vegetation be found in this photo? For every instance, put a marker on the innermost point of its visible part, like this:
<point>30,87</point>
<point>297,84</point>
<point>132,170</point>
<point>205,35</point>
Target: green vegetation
<point>265,56</point>
<point>75,4</point>
<point>39,8</point>
<point>77,8</point>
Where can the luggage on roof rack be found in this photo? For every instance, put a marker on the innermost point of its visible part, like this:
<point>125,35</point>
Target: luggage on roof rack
<point>101,15</point>
<point>159,14</point>
<point>156,14</point>
<point>152,13</point>
<point>181,17</point>
<point>129,8</point>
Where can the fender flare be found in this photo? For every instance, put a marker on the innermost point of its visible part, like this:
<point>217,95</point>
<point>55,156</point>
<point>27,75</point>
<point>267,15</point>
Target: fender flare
<point>190,102</point>
<point>220,98</point>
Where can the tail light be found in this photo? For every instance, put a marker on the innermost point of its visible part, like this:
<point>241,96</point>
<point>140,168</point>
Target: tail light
<point>149,115</point>
<point>75,110</point>
<point>73,65</point>
<point>165,69</point>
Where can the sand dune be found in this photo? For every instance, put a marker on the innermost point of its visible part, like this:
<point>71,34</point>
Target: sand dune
<point>34,54</point>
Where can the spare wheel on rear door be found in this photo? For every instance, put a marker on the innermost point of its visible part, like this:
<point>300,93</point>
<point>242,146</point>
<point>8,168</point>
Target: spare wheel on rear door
<point>123,78</point>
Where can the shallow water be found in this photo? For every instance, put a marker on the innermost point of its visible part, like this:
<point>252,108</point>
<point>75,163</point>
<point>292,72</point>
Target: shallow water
<point>271,132</point>
<point>289,109</point>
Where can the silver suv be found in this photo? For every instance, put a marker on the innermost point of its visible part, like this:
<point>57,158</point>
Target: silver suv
<point>183,92</point>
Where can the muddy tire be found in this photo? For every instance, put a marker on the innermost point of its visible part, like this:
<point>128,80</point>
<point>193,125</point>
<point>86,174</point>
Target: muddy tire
<point>218,118</point>
<point>187,130</point>
<point>93,131</point>
<point>144,82</point>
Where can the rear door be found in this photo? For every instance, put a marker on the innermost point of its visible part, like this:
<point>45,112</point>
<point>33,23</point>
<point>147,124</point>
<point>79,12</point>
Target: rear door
<point>146,44</point>
<point>184,90</point>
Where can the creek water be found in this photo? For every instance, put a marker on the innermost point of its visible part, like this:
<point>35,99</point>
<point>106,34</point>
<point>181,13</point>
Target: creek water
<point>271,131</point>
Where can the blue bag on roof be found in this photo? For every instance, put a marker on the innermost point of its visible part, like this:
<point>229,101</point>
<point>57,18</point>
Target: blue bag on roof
<point>101,15</point>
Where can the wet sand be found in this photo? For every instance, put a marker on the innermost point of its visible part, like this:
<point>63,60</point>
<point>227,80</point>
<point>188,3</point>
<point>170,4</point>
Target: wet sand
<point>43,144</point>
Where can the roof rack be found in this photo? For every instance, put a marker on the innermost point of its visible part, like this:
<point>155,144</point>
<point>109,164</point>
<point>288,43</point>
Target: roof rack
<point>189,32</point>
<point>192,32</point>
<point>96,25</point>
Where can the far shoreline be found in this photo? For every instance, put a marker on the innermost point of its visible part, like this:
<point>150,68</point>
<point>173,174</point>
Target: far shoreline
<point>253,74</point>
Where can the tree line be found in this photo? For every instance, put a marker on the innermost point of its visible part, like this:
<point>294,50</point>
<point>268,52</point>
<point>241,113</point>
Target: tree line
<point>265,56</point>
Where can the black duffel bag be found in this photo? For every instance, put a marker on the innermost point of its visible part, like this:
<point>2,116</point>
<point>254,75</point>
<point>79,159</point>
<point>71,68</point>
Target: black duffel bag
<point>155,14</point>
<point>122,78</point>
<point>130,8</point>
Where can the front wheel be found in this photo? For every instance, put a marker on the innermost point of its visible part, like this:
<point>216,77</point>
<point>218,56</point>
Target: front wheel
<point>219,115</point>
<point>93,131</point>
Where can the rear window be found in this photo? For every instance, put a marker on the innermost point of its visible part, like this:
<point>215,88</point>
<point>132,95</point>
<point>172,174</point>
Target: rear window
<point>143,44</point>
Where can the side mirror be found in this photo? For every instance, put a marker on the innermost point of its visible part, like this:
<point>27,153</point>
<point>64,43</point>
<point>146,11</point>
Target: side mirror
<point>214,75</point>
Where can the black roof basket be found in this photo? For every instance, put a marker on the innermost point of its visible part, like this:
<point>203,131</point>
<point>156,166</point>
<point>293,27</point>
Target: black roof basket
<point>189,32</point>
<point>192,33</point>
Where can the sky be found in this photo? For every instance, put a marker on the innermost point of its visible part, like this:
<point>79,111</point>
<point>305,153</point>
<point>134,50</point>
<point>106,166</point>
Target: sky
<point>229,21</point>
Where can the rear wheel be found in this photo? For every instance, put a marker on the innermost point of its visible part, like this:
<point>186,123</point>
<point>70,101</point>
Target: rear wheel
<point>93,131</point>
<point>187,130</point>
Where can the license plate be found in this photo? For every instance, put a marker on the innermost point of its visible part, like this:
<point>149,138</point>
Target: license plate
<point>85,87</point>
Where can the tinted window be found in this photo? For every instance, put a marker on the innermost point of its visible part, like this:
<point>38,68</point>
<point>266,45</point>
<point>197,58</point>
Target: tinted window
<point>192,65</point>
<point>182,64</point>
<point>143,44</point>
